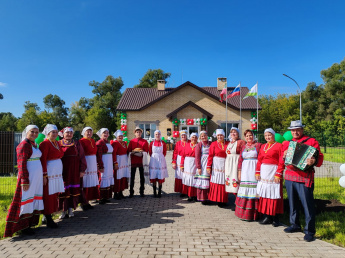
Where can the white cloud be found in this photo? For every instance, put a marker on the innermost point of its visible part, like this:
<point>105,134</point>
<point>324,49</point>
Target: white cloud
<point>3,84</point>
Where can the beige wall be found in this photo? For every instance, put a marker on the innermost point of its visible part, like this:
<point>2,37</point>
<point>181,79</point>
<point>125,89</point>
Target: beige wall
<point>159,110</point>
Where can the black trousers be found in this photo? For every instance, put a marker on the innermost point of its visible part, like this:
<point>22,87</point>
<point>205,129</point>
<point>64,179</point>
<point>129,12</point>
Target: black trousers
<point>142,180</point>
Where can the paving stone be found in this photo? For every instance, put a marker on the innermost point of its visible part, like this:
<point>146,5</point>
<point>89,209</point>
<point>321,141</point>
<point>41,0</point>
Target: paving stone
<point>165,227</point>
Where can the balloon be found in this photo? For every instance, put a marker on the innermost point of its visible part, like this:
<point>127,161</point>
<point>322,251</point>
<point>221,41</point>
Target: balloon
<point>57,138</point>
<point>279,138</point>
<point>342,181</point>
<point>342,169</point>
<point>40,138</point>
<point>287,136</point>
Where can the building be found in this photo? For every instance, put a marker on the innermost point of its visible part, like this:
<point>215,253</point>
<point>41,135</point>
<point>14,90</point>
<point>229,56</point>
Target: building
<point>158,108</point>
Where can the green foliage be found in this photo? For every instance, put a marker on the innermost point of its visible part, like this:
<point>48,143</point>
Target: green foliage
<point>149,80</point>
<point>30,116</point>
<point>7,121</point>
<point>59,114</point>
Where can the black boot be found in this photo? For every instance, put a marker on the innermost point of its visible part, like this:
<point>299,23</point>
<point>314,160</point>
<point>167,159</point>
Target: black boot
<point>266,220</point>
<point>121,195</point>
<point>116,196</point>
<point>50,222</point>
<point>154,191</point>
<point>159,191</point>
<point>276,222</point>
<point>131,192</point>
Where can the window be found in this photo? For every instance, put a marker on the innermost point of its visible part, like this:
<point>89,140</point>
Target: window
<point>190,128</point>
<point>149,130</point>
<point>223,126</point>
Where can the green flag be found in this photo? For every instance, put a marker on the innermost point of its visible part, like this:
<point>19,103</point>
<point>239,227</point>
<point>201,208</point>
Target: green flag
<point>253,91</point>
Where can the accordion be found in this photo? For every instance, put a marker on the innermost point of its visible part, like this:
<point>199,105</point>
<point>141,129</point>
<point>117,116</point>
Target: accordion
<point>298,153</point>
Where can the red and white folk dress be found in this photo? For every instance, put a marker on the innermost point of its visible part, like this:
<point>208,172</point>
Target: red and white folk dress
<point>177,154</point>
<point>52,167</point>
<point>189,170</point>
<point>158,166</point>
<point>25,209</point>
<point>90,179</point>
<point>216,162</point>
<point>202,182</point>
<point>271,194</point>
<point>120,157</point>
<point>105,161</point>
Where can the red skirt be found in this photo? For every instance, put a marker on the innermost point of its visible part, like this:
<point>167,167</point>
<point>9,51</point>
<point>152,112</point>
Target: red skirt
<point>247,209</point>
<point>160,181</point>
<point>106,193</point>
<point>202,194</point>
<point>91,193</point>
<point>178,185</point>
<point>120,184</point>
<point>50,201</point>
<point>217,193</point>
<point>14,223</point>
<point>271,206</point>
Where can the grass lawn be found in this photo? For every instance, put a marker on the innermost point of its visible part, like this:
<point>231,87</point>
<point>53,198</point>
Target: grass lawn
<point>334,154</point>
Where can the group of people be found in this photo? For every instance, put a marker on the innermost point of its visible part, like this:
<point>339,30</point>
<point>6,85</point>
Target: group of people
<point>59,175</point>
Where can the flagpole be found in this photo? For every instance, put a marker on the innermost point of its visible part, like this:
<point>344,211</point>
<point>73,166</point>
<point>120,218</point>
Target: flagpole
<point>240,108</point>
<point>257,104</point>
<point>226,108</point>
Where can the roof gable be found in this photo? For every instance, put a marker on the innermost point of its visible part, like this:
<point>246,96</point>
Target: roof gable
<point>135,99</point>
<point>192,104</point>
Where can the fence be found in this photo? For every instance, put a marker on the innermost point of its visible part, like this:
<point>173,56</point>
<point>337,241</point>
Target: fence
<point>326,177</point>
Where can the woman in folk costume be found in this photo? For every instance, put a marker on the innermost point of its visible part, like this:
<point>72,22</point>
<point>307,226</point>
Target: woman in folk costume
<point>247,199</point>
<point>90,179</point>
<point>52,172</point>
<point>27,204</point>
<point>105,165</point>
<point>176,161</point>
<point>202,176</point>
<point>121,169</point>
<point>269,189</point>
<point>233,151</point>
<point>158,166</point>
<point>74,166</point>
<point>188,168</point>
<point>216,165</point>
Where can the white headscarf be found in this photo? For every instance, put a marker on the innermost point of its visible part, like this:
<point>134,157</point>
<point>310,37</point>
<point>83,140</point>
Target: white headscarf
<point>27,129</point>
<point>183,132</point>
<point>270,130</point>
<point>48,129</point>
<point>236,129</point>
<point>219,131</point>
<point>118,133</point>
<point>194,134</point>
<point>100,131</point>
<point>66,129</point>
<point>157,131</point>
<point>85,129</point>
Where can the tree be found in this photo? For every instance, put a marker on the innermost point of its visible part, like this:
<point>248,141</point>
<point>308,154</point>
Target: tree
<point>28,105</point>
<point>151,77</point>
<point>30,116</point>
<point>102,107</point>
<point>77,115</point>
<point>8,122</point>
<point>59,114</point>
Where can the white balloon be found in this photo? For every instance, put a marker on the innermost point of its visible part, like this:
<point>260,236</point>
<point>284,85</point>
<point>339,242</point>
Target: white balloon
<point>342,169</point>
<point>342,181</point>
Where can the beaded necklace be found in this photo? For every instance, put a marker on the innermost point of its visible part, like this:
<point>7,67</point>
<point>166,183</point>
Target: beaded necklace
<point>67,143</point>
<point>269,147</point>
<point>249,147</point>
<point>192,145</point>
<point>183,143</point>
<point>221,145</point>
<point>55,144</point>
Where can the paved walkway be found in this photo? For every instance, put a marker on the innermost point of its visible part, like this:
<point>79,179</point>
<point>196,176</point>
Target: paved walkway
<point>166,227</point>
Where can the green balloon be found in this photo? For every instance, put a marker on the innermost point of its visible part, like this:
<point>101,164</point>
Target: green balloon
<point>57,138</point>
<point>40,138</point>
<point>279,138</point>
<point>288,136</point>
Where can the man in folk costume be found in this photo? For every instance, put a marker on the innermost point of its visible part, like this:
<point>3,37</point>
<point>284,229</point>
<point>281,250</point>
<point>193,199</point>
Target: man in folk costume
<point>300,184</point>
<point>138,147</point>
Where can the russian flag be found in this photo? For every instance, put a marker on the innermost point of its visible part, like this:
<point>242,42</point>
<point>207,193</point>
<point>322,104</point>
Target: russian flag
<point>235,92</point>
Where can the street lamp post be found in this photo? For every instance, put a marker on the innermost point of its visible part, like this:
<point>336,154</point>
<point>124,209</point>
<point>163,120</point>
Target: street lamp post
<point>300,97</point>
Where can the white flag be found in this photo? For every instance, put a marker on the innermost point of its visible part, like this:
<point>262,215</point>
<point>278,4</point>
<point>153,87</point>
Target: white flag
<point>253,91</point>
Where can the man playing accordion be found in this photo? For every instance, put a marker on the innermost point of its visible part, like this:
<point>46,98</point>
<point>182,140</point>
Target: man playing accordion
<point>300,183</point>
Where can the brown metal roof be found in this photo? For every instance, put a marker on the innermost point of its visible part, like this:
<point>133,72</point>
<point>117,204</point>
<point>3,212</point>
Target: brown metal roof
<point>141,98</point>
<point>190,103</point>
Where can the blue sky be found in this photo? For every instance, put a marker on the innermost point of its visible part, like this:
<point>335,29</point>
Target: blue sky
<point>58,47</point>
